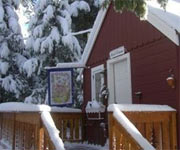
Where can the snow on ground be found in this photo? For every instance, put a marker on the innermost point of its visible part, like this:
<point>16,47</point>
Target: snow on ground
<point>4,145</point>
<point>85,146</point>
<point>73,146</point>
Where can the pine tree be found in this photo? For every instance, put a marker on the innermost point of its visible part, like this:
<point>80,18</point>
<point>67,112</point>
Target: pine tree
<point>12,81</point>
<point>51,41</point>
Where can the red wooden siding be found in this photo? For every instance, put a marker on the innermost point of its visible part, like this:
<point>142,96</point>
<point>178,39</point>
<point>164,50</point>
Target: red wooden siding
<point>117,30</point>
<point>152,56</point>
<point>150,67</point>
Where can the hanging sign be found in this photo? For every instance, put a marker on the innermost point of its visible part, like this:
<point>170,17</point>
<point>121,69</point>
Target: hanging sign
<point>117,52</point>
<point>60,87</point>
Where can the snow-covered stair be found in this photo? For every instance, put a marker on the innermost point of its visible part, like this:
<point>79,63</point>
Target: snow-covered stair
<point>84,146</point>
<point>81,148</point>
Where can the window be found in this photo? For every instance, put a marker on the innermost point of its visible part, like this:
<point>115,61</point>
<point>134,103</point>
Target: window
<point>97,82</point>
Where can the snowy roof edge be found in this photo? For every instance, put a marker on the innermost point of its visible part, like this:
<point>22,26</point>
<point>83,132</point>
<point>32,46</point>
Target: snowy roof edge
<point>68,65</point>
<point>93,34</point>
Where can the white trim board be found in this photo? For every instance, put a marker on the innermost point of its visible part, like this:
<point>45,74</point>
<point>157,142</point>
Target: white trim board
<point>93,34</point>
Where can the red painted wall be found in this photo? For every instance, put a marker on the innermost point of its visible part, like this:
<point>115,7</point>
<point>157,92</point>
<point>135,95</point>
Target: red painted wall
<point>150,67</point>
<point>152,56</point>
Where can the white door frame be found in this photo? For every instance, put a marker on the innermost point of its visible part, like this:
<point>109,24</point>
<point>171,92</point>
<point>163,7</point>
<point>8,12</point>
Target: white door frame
<point>110,75</point>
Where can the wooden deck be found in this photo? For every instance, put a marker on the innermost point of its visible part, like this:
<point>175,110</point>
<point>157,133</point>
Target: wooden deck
<point>27,130</point>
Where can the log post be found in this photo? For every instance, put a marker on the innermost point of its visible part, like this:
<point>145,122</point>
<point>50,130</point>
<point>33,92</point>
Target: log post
<point>14,131</point>
<point>173,132</point>
<point>111,127</point>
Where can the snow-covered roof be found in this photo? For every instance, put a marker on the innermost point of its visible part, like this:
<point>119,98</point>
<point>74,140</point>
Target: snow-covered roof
<point>23,107</point>
<point>68,65</point>
<point>167,21</point>
<point>140,107</point>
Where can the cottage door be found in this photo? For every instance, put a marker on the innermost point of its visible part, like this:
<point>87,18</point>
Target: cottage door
<point>119,80</point>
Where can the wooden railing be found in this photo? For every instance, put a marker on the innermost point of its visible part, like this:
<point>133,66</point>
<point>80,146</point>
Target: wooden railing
<point>119,138</point>
<point>158,127</point>
<point>69,125</point>
<point>26,130</point>
<point>20,130</point>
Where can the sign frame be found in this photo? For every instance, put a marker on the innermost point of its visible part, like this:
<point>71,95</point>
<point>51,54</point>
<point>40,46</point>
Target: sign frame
<point>54,74</point>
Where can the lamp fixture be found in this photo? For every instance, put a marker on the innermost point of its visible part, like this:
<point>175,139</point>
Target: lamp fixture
<point>171,80</point>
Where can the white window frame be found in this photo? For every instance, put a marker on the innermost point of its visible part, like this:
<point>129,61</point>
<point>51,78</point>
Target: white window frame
<point>95,70</point>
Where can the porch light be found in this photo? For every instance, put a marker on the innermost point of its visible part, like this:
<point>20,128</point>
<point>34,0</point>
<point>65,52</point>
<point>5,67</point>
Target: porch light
<point>171,81</point>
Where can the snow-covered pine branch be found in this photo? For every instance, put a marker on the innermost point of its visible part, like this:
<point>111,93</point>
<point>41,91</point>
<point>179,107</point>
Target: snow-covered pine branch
<point>51,40</point>
<point>81,32</point>
<point>13,83</point>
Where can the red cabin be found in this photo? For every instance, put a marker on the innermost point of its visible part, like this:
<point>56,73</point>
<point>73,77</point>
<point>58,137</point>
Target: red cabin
<point>137,61</point>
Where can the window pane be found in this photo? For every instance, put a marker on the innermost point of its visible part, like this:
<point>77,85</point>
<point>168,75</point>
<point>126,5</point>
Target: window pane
<point>98,85</point>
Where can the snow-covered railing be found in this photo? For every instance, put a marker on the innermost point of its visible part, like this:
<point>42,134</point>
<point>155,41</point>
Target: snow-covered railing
<point>49,134</point>
<point>27,126</point>
<point>147,127</point>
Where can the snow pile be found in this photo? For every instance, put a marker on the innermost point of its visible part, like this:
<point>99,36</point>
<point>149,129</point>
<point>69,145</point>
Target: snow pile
<point>140,107</point>
<point>65,110</point>
<point>85,145</point>
<point>5,145</point>
<point>94,107</point>
<point>52,130</point>
<point>130,128</point>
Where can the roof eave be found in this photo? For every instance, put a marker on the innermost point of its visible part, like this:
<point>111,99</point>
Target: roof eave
<point>93,34</point>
